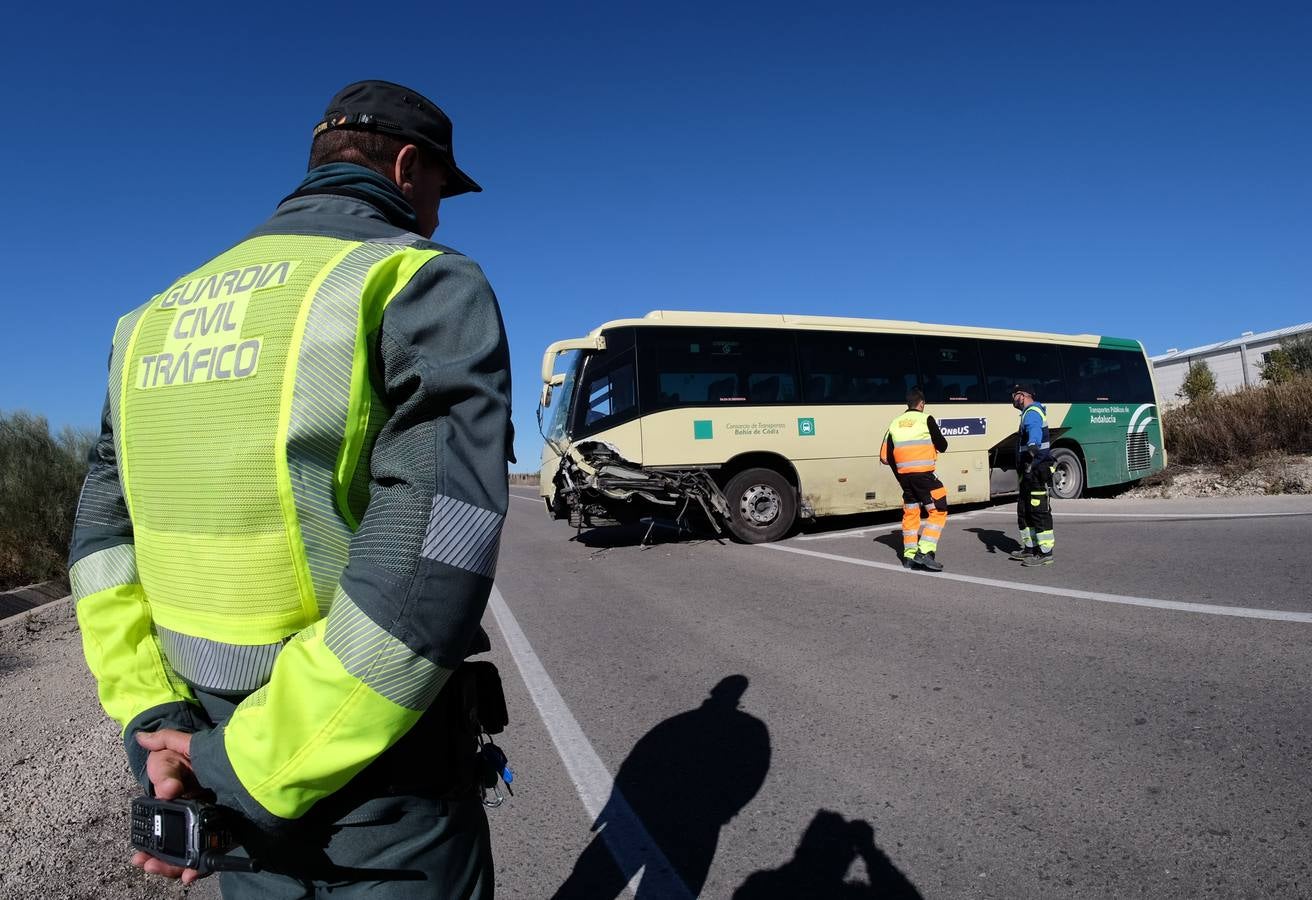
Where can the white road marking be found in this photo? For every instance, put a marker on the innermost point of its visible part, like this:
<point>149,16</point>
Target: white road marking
<point>1206,608</point>
<point>1062,513</point>
<point>624,834</point>
<point>852,532</point>
<point>892,523</point>
<point>537,501</point>
<point>1057,511</point>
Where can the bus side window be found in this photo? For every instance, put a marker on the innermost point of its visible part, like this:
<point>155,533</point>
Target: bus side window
<point>1102,375</point>
<point>841,367</point>
<point>1008,363</point>
<point>712,366</point>
<point>951,370</point>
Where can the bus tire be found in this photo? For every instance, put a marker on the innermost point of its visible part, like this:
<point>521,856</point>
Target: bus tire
<point>1067,474</point>
<point>557,508</point>
<point>762,506</point>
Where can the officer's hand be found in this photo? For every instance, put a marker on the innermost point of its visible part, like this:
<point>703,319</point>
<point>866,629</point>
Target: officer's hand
<point>153,866</point>
<point>168,765</point>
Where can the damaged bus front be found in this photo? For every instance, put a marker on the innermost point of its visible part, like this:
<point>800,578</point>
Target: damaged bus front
<point>591,471</point>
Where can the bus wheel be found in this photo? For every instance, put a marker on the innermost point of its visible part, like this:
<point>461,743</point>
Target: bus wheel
<point>762,505</point>
<point>1067,474</point>
<point>557,508</point>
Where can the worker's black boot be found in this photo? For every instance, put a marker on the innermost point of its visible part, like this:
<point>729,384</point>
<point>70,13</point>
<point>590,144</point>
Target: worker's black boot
<point>1022,554</point>
<point>1038,559</point>
<point>927,562</point>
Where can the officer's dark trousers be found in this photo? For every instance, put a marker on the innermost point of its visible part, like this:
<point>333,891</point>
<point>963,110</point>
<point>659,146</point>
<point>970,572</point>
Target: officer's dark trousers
<point>411,825</point>
<point>417,847</point>
<point>1034,510</point>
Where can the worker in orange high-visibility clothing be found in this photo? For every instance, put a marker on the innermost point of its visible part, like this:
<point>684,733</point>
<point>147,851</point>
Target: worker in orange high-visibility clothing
<point>911,446</point>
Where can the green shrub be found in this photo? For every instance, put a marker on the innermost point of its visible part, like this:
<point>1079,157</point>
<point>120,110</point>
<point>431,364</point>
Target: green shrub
<point>1292,359</point>
<point>1198,382</point>
<point>1243,426</point>
<point>40,478</point>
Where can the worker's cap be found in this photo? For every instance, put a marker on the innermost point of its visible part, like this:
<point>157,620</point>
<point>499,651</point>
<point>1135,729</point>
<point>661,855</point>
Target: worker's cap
<point>397,110</point>
<point>1023,387</point>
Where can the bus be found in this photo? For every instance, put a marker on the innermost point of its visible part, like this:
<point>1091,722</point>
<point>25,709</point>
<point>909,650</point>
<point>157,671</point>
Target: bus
<point>753,422</point>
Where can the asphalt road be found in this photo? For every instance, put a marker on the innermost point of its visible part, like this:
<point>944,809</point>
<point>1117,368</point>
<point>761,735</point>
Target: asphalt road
<point>808,720</point>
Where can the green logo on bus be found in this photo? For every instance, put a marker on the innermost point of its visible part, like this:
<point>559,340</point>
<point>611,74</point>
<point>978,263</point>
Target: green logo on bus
<point>806,427</point>
<point>702,430</point>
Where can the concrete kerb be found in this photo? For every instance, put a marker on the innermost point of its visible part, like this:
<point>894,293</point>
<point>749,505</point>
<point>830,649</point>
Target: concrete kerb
<point>64,605</point>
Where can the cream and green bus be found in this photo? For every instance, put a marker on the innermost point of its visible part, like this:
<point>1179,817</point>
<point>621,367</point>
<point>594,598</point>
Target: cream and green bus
<point>752,422</point>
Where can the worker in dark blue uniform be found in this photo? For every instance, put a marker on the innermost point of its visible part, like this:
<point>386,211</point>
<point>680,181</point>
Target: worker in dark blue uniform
<point>1034,465</point>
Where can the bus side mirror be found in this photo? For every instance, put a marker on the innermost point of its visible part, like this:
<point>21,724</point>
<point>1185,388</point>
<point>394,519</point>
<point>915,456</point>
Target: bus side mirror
<point>555,381</point>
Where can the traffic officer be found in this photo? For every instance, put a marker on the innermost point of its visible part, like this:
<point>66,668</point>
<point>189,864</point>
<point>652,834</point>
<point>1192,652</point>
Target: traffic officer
<point>1034,465</point>
<point>911,446</point>
<point>289,530</point>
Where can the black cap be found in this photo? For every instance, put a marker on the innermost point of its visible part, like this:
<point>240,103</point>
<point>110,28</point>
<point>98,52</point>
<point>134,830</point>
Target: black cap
<point>395,109</point>
<point>1025,388</point>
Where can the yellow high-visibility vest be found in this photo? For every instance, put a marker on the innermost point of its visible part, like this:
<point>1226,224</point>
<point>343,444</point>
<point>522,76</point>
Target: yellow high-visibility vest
<point>913,449</point>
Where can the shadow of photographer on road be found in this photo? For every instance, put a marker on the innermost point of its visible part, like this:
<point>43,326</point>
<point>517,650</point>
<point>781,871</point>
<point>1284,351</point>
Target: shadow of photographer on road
<point>830,846</point>
<point>683,780</point>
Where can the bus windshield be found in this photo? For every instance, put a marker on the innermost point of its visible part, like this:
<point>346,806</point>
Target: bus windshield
<point>556,427</point>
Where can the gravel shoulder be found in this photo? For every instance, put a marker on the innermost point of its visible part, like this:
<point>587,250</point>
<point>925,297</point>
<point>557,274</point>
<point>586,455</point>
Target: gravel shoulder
<point>1273,475</point>
<point>65,789</point>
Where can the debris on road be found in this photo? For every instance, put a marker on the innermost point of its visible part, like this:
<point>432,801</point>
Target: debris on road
<point>599,487</point>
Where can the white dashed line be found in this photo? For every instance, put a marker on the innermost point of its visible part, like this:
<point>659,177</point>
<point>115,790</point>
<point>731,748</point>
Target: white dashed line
<point>1242,612</point>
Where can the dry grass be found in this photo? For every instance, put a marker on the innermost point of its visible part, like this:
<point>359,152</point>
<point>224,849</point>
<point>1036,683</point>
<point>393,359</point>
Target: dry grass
<point>40,477</point>
<point>1242,427</point>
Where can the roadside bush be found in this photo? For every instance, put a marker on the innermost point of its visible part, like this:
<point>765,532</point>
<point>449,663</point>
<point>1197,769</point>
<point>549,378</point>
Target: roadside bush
<point>40,477</point>
<point>1198,382</point>
<point>1292,359</point>
<point>1241,427</point>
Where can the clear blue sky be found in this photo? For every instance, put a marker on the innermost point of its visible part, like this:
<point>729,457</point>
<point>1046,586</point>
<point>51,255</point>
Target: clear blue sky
<point>1134,169</point>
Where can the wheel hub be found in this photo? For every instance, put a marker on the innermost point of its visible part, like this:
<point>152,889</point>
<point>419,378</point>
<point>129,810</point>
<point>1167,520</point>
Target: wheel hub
<point>1062,477</point>
<point>760,504</point>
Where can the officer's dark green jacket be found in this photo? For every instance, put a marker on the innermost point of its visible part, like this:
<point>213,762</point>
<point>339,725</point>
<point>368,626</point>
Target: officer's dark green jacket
<point>296,498</point>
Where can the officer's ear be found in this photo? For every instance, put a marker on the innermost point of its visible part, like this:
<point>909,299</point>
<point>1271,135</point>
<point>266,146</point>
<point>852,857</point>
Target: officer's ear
<point>405,170</point>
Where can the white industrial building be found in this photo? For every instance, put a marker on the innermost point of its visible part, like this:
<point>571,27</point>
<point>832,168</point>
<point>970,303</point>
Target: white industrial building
<point>1236,363</point>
